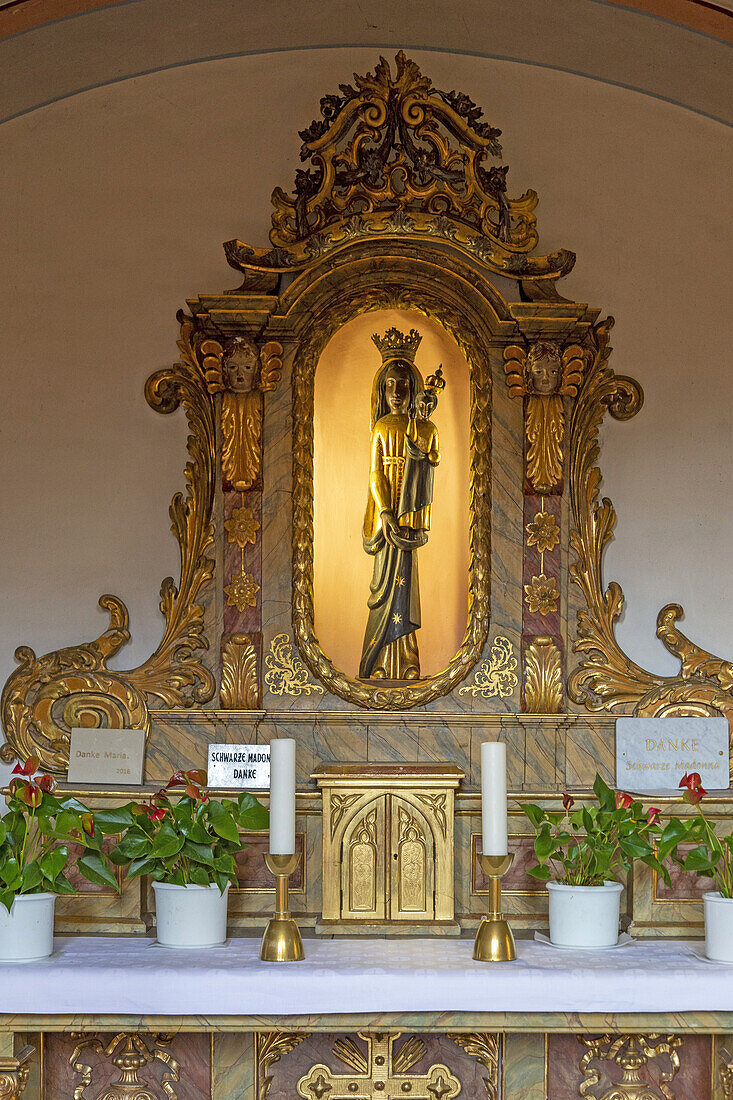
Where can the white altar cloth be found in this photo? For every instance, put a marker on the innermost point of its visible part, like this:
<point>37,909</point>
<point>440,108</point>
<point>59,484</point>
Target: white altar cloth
<point>121,975</point>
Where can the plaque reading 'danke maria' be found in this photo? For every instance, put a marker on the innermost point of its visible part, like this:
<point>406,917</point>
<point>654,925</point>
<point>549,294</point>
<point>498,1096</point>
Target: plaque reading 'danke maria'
<point>107,756</point>
<point>653,754</point>
<point>239,766</point>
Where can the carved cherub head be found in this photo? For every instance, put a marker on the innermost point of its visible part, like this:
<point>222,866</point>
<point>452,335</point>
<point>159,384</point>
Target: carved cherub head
<point>239,364</point>
<point>543,368</point>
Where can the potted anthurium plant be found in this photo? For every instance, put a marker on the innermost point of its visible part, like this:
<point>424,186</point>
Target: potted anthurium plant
<point>35,835</point>
<point>582,853</point>
<point>186,844</point>
<point>709,857</point>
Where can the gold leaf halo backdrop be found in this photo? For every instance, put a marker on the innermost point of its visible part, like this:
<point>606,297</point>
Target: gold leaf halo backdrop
<point>342,570</point>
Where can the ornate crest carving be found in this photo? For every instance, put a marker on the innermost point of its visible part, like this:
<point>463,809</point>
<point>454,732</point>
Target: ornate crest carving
<point>630,1053</point>
<point>240,689</point>
<point>394,155</point>
<point>543,693</point>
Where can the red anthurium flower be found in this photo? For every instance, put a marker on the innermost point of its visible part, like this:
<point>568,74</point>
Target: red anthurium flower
<point>175,780</point>
<point>652,815</point>
<point>88,823</point>
<point>156,813</point>
<point>29,768</point>
<point>196,775</point>
<point>46,783</point>
<point>694,795</point>
<point>194,792</point>
<point>691,781</point>
<point>567,802</point>
<point>623,800</point>
<point>28,793</point>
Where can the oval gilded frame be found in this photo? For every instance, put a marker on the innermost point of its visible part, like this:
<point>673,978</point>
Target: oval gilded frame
<point>421,278</point>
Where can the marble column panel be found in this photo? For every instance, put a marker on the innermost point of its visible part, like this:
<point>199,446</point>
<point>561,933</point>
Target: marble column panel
<point>590,748</point>
<point>233,1072</point>
<point>524,1067</point>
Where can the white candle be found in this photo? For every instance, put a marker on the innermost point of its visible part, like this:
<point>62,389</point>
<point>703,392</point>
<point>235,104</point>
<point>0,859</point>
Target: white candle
<point>493,798</point>
<point>282,796</point>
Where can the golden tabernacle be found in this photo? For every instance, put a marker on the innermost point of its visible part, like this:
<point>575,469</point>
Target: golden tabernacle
<point>380,722</point>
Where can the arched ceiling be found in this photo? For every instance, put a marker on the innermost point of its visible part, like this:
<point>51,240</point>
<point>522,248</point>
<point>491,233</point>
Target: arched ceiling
<point>677,50</point>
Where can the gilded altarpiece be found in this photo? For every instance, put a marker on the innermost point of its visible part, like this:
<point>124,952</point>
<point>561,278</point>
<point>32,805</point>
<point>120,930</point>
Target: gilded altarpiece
<point>401,208</point>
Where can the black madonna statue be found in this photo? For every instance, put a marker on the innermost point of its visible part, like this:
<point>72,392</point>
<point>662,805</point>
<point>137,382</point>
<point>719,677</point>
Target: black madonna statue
<point>404,454</point>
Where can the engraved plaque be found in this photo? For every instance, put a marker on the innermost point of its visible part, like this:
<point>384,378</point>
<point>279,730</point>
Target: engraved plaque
<point>107,756</point>
<point>652,754</point>
<point>241,767</point>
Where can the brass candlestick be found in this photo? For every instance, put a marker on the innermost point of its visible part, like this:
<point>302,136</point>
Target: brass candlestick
<point>281,941</point>
<point>494,939</point>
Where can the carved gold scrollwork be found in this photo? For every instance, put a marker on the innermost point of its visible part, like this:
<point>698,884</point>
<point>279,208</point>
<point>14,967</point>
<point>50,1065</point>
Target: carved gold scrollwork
<point>393,155</point>
<point>495,678</point>
<point>129,1053</point>
<point>606,678</point>
<point>543,692</point>
<point>270,1046</point>
<point>240,689</point>
<point>46,696</point>
<point>286,674</point>
<point>630,1053</point>
<point>485,1048</point>
<point>14,1074</point>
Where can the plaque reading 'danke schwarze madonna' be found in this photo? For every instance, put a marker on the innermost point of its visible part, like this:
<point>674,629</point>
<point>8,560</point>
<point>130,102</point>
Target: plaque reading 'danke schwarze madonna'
<point>653,754</point>
<point>239,767</point>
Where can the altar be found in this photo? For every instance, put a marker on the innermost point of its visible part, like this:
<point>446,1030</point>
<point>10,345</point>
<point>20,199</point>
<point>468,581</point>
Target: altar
<point>391,535</point>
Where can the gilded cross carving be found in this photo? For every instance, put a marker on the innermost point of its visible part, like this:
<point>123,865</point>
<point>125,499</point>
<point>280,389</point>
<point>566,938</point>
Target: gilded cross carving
<point>382,1073</point>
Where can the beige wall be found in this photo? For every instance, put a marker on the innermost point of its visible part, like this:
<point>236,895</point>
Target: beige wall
<point>115,204</point>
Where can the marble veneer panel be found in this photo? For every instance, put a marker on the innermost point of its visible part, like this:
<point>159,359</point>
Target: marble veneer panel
<point>233,1076</point>
<point>693,1079</point>
<point>190,1051</point>
<point>684,886</point>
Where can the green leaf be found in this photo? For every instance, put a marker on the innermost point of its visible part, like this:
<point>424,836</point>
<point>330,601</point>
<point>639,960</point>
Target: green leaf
<point>6,898</point>
<point>131,846</point>
<point>140,867</point>
<point>198,852</point>
<point>199,876</point>
<point>195,831</point>
<point>95,869</point>
<point>539,872</point>
<point>73,804</point>
<point>3,831</point>
<point>253,816</point>
<point>223,823</point>
<point>543,845</point>
<point>53,862</point>
<point>31,877</point>
<point>113,821</point>
<point>167,842</point>
<point>62,885</point>
<point>604,794</point>
<point>535,813</point>
<point>10,872</point>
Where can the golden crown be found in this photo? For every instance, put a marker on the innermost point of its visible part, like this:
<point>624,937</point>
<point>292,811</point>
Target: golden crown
<point>436,383</point>
<point>396,345</point>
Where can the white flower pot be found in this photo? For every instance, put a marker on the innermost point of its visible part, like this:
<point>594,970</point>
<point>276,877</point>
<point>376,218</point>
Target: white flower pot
<point>718,927</point>
<point>190,916</point>
<point>584,916</point>
<point>26,932</point>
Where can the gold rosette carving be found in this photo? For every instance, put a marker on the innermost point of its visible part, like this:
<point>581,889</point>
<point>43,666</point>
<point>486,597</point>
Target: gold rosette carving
<point>47,696</point>
<point>606,678</point>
